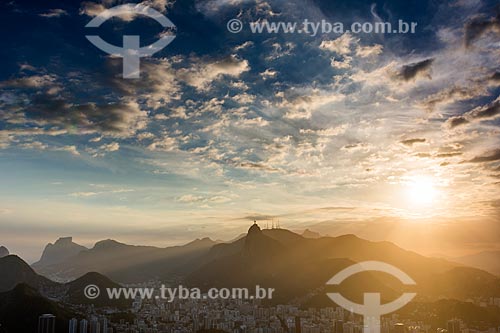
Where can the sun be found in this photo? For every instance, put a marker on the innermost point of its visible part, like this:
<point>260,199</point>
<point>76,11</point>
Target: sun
<point>422,191</point>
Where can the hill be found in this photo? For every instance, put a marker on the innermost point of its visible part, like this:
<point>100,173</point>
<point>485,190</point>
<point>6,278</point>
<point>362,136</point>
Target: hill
<point>127,263</point>
<point>15,271</point>
<point>296,265</point>
<point>21,307</point>
<point>488,260</point>
<point>75,292</point>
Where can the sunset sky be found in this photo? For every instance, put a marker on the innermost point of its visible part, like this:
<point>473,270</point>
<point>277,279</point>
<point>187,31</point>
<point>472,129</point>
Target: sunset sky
<point>351,132</point>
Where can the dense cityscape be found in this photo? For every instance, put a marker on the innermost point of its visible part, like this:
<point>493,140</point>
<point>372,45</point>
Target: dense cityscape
<point>236,316</point>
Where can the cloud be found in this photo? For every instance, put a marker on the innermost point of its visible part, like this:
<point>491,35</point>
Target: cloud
<point>116,119</point>
<point>411,142</point>
<point>340,45</point>
<point>84,194</point>
<point>37,145</point>
<point>416,69</point>
<point>201,74</point>
<point>114,146</point>
<point>456,121</point>
<point>35,81</point>
<point>158,84</point>
<point>164,143</point>
<point>268,73</point>
<point>369,51</point>
<point>210,7</point>
<point>485,112</point>
<point>454,94</point>
<point>301,103</point>
<point>478,26</point>
<point>93,9</point>
<point>190,198</point>
<point>491,156</point>
<point>345,64</point>
<point>54,13</point>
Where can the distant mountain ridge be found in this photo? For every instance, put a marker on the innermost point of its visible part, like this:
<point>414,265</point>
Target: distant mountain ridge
<point>487,260</point>
<point>310,234</point>
<point>276,257</point>
<point>295,265</point>
<point>61,250</point>
<point>125,263</point>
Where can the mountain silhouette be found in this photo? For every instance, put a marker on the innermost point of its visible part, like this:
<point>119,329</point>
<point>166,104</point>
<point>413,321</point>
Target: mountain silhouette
<point>296,265</point>
<point>77,287</point>
<point>61,250</point>
<point>21,307</point>
<point>127,263</point>
<point>310,234</point>
<point>15,271</point>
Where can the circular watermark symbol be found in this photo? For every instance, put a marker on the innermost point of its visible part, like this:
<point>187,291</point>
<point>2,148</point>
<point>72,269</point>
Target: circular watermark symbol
<point>234,26</point>
<point>91,291</point>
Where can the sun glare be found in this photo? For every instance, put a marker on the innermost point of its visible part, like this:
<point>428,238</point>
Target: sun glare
<point>422,191</point>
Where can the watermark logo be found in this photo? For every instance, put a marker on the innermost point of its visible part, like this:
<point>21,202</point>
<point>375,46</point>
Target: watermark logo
<point>131,52</point>
<point>180,292</point>
<point>316,28</point>
<point>91,291</point>
<point>372,309</point>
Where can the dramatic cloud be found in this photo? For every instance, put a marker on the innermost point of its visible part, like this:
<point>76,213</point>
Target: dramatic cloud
<point>416,69</point>
<point>120,119</point>
<point>480,113</point>
<point>480,25</point>
<point>454,94</point>
<point>455,121</point>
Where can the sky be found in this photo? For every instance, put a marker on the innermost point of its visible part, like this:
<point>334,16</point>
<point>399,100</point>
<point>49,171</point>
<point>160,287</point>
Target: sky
<point>383,135</point>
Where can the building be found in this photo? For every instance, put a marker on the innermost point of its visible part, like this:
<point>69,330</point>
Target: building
<point>339,326</point>
<point>95,326</point>
<point>453,326</point>
<point>105,325</point>
<point>84,326</point>
<point>47,323</point>
<point>73,326</point>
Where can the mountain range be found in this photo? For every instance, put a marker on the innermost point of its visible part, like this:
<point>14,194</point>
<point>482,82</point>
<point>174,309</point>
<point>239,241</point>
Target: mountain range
<point>297,267</point>
<point>119,261</point>
<point>16,272</point>
<point>294,264</point>
<point>487,260</point>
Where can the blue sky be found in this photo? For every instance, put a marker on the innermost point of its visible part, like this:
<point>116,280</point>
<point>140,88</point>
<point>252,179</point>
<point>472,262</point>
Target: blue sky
<point>222,128</point>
